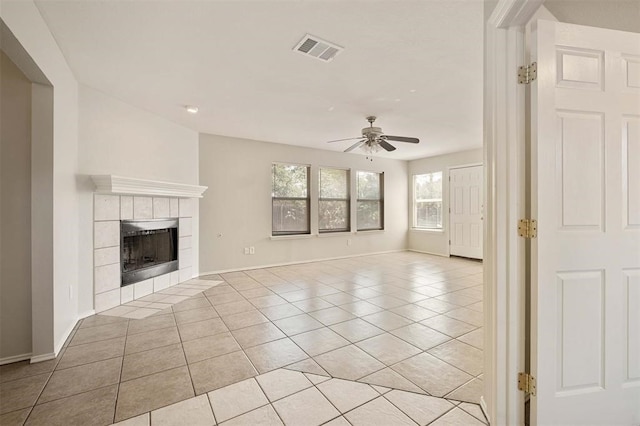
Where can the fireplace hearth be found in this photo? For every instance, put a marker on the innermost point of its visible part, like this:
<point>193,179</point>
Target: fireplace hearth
<point>148,249</point>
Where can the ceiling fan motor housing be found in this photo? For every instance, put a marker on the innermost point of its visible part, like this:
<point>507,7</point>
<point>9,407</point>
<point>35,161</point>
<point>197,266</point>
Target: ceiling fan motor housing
<point>372,132</point>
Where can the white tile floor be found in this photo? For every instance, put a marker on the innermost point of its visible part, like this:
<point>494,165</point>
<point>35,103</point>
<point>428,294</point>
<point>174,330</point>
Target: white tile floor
<point>294,398</point>
<point>164,299</point>
<point>381,339</point>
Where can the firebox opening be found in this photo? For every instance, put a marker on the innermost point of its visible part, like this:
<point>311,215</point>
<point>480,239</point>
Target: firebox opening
<point>148,249</point>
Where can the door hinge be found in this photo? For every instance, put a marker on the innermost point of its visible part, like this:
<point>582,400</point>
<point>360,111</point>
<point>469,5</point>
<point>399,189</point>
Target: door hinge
<point>526,74</point>
<point>527,383</point>
<point>528,228</point>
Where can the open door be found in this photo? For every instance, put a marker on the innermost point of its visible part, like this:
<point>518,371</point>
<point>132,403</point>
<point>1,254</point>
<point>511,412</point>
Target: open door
<point>585,184</point>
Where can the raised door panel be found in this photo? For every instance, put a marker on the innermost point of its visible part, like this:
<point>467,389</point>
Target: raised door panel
<point>580,169</point>
<point>631,171</point>
<point>581,331</point>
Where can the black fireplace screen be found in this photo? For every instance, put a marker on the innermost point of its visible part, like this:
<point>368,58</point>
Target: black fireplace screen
<point>148,249</point>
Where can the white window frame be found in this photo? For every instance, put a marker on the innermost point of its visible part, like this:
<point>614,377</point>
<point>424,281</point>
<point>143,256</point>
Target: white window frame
<point>414,208</point>
<point>348,200</point>
<point>307,198</point>
<point>380,200</point>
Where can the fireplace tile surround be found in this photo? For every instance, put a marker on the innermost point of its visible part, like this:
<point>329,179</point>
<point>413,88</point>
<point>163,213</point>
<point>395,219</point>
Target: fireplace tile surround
<point>109,210</point>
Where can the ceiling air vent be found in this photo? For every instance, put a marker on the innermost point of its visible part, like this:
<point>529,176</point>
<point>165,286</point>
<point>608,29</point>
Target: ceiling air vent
<point>315,47</point>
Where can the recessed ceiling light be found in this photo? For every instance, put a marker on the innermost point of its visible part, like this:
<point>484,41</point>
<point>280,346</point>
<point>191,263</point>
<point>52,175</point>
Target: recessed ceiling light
<point>330,109</point>
<point>412,91</point>
<point>191,109</point>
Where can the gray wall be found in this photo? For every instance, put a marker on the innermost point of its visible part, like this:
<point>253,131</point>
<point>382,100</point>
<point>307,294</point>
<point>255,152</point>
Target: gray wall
<point>489,6</point>
<point>15,210</point>
<point>236,210</point>
<point>437,241</point>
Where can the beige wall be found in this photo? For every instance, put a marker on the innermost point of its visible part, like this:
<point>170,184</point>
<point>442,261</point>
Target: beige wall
<point>15,210</point>
<point>437,242</point>
<point>119,139</point>
<point>236,210</point>
<point>62,281</point>
<point>489,6</point>
<point>54,196</point>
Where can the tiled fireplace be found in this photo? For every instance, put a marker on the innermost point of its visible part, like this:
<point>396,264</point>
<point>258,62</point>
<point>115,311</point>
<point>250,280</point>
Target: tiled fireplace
<point>109,210</point>
<point>124,203</point>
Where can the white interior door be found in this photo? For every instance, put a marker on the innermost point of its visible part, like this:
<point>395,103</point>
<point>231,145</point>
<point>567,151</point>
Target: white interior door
<point>465,211</point>
<point>585,304</point>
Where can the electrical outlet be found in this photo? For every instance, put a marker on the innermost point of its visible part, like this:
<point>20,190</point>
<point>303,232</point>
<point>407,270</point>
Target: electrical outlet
<point>246,250</point>
<point>252,250</point>
<point>349,241</point>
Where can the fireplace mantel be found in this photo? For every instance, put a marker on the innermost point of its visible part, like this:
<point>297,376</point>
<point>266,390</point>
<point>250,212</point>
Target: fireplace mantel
<point>111,184</point>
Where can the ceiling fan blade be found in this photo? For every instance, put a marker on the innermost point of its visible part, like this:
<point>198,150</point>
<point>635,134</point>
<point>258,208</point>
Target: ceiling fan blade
<point>401,139</point>
<point>355,145</point>
<point>347,139</point>
<point>387,146</point>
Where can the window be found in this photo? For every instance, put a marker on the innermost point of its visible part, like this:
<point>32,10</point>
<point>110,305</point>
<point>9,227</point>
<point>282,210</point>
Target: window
<point>290,199</point>
<point>370,201</point>
<point>333,205</point>
<point>427,201</point>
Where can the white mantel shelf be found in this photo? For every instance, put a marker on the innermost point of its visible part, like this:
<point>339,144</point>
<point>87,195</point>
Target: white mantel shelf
<point>110,184</point>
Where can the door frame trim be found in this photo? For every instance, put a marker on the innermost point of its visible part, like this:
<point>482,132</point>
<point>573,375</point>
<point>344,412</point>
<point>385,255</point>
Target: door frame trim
<point>464,166</point>
<point>504,254</point>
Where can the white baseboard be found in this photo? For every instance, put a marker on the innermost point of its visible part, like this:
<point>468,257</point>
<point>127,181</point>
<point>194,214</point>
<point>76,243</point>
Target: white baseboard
<point>86,314</point>
<point>485,409</point>
<point>65,336</point>
<point>44,357</point>
<point>298,262</point>
<point>52,355</point>
<point>15,358</point>
<point>429,252</point>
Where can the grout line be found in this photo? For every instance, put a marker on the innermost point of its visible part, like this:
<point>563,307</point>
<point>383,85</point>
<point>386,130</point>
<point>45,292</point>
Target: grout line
<point>483,420</point>
<point>442,415</point>
<point>186,361</point>
<point>38,397</point>
<point>270,403</point>
<point>400,409</point>
<point>115,405</point>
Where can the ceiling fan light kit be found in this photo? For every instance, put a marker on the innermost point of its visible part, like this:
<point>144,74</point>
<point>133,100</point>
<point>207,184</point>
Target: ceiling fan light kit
<point>373,139</point>
<point>371,148</point>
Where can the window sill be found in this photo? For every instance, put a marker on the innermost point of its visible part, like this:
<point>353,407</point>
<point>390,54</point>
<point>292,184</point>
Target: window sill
<point>335,234</point>
<point>370,231</point>
<point>291,237</point>
<point>427,230</point>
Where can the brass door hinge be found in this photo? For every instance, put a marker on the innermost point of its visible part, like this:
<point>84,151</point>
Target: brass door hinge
<point>527,74</point>
<point>528,228</point>
<point>527,383</point>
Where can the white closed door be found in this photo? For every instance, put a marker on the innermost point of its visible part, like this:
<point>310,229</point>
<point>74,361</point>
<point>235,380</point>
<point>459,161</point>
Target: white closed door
<point>465,212</point>
<point>585,301</point>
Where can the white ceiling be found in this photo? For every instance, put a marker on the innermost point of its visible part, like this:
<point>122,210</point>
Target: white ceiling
<point>623,15</point>
<point>417,65</point>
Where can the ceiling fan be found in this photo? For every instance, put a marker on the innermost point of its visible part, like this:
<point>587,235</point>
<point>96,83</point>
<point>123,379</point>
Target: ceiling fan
<point>373,139</point>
